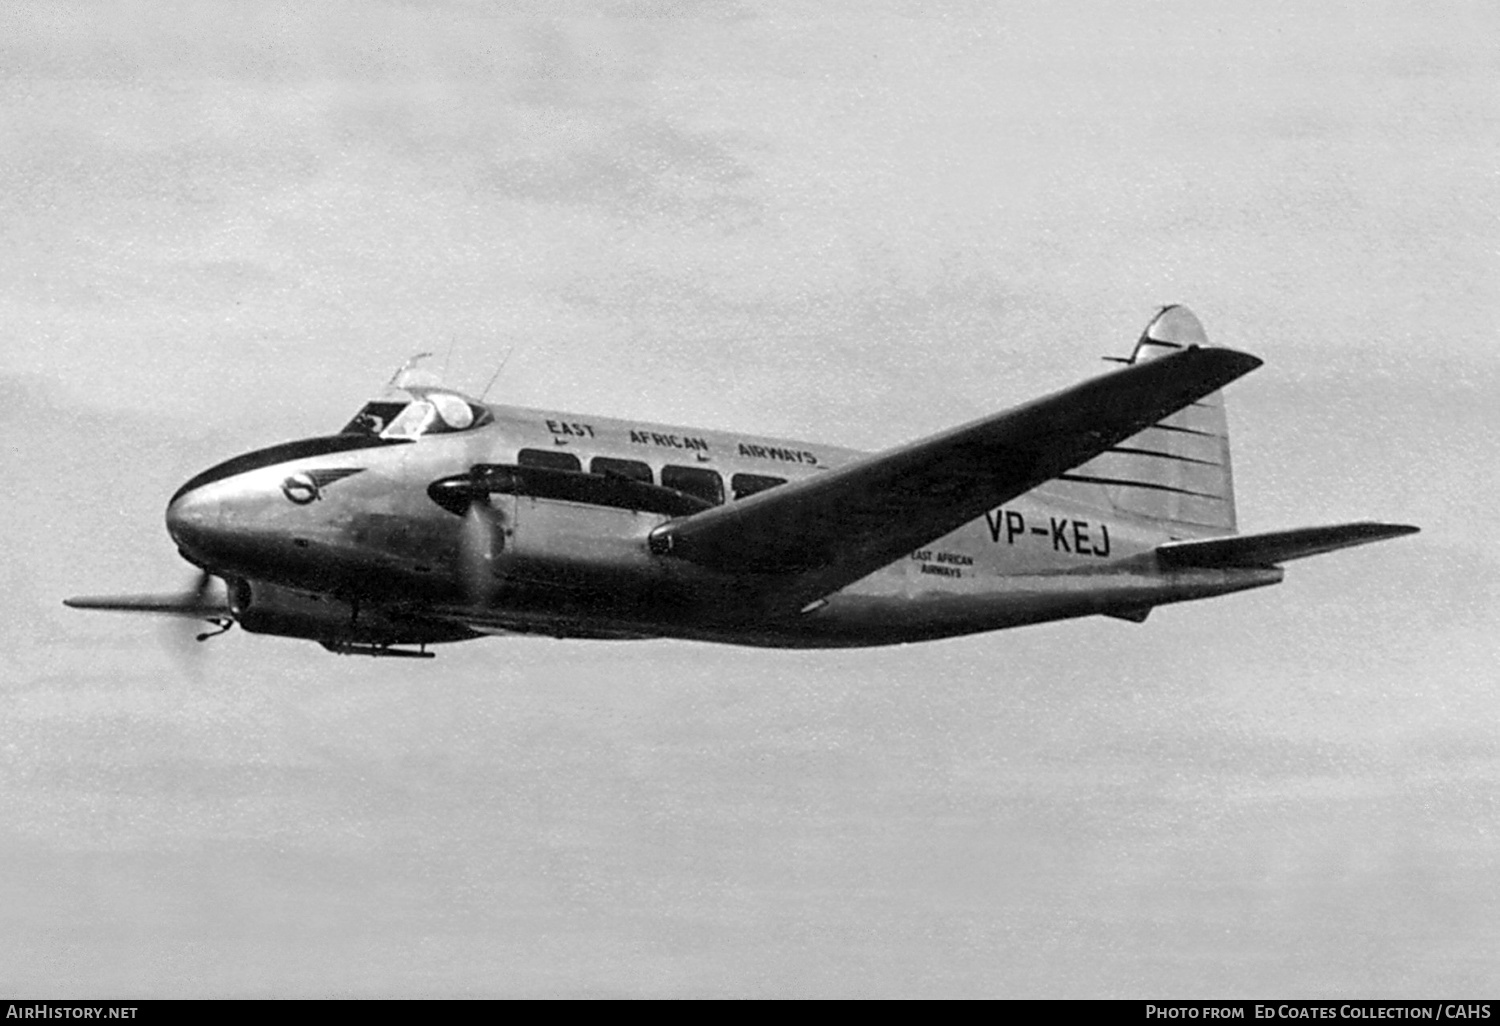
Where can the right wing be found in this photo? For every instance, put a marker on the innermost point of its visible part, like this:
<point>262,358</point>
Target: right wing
<point>832,529</point>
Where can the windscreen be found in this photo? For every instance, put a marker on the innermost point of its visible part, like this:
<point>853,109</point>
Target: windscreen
<point>375,417</point>
<point>431,413</point>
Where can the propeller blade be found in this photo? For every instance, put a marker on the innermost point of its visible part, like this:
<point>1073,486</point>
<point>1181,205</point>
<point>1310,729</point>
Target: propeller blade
<point>479,542</point>
<point>203,586</point>
<point>180,636</point>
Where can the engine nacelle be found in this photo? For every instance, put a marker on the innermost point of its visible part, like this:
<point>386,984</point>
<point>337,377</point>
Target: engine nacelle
<point>262,608</point>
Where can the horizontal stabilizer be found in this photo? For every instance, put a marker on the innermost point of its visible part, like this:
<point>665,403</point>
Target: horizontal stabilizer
<point>1273,547</point>
<point>166,605</point>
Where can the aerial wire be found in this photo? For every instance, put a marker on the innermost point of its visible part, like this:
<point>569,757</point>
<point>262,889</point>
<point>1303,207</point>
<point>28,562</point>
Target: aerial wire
<point>493,377</point>
<point>452,339</point>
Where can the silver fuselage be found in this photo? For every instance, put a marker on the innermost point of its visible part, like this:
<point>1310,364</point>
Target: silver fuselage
<point>354,532</point>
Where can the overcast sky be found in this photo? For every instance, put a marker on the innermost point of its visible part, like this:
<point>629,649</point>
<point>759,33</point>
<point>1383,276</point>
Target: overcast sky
<point>224,225</point>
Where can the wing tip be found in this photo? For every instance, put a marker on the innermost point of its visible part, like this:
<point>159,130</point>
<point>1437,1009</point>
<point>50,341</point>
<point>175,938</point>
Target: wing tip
<point>1377,531</point>
<point>1235,361</point>
<point>1217,366</point>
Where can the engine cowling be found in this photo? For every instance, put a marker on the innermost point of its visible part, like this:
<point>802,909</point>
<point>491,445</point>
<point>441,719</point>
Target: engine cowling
<point>262,608</point>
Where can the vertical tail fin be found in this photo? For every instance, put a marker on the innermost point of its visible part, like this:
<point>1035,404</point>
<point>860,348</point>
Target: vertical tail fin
<point>1177,471</point>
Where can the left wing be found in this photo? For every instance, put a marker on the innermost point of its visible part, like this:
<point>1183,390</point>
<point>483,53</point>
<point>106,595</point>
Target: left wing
<point>833,529</point>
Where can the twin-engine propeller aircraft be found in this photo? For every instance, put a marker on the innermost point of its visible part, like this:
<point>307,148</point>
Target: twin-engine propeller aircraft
<point>432,517</point>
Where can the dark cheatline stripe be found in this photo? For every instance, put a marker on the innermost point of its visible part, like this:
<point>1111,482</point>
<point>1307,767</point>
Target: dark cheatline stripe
<point>1182,430</point>
<point>298,450</point>
<point>456,493</point>
<point>1162,455</point>
<point>1086,479</point>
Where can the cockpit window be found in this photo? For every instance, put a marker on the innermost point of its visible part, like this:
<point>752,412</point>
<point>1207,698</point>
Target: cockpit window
<point>454,412</point>
<point>374,417</point>
<point>433,413</point>
<point>419,418</point>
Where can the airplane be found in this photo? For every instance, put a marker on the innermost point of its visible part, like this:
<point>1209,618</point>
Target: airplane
<point>432,517</point>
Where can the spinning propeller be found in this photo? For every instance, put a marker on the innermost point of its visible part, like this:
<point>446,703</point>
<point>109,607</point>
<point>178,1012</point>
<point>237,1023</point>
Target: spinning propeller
<point>180,635</point>
<point>200,601</point>
<point>480,541</point>
<point>481,536</point>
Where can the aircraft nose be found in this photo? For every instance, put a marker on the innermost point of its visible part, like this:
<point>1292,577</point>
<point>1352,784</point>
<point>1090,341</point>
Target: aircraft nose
<point>193,518</point>
<point>266,515</point>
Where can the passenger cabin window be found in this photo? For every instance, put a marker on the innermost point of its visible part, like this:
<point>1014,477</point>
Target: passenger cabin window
<point>548,458</point>
<point>746,485</point>
<point>696,481</point>
<point>632,469</point>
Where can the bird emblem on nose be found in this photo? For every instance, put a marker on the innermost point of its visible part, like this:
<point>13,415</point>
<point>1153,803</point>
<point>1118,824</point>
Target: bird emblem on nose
<point>307,486</point>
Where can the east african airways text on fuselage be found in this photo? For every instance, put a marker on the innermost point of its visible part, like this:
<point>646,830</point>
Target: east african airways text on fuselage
<point>564,431</point>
